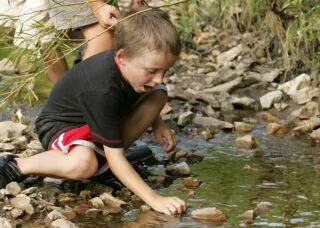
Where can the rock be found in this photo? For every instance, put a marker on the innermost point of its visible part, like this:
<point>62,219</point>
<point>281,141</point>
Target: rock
<point>307,125</point>
<point>96,202</point>
<point>210,213</point>
<point>243,127</point>
<point>92,212</point>
<point>16,213</point>
<point>7,67</point>
<point>313,108</point>
<point>275,128</point>
<point>111,201</point>
<point>229,55</point>
<point>6,147</point>
<point>13,188</point>
<point>280,106</point>
<point>30,191</point>
<point>246,141</point>
<point>20,143</point>
<point>35,145</point>
<point>62,223</point>
<point>270,76</point>
<point>52,216</point>
<point>226,87</point>
<point>22,202</point>
<point>206,135</point>
<point>4,223</point>
<point>11,130</point>
<point>212,122</point>
<point>302,96</point>
<point>180,169</point>
<point>185,118</point>
<point>248,216</point>
<point>291,87</point>
<point>85,194</point>
<point>242,102</point>
<point>190,182</point>
<point>268,99</point>
<point>315,135</point>
<point>263,206</point>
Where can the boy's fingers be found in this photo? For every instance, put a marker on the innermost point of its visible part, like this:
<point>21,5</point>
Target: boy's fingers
<point>181,204</point>
<point>114,11</point>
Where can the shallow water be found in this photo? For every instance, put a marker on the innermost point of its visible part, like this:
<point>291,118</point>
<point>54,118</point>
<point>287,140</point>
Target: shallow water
<point>284,177</point>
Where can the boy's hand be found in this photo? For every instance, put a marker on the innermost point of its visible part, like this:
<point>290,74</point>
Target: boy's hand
<point>106,14</point>
<point>162,131</point>
<point>169,205</point>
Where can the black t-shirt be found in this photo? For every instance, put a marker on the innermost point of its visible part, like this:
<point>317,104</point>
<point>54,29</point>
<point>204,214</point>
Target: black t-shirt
<point>93,92</point>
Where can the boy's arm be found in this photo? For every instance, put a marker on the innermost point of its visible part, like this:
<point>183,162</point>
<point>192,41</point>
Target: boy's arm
<point>123,170</point>
<point>106,14</point>
<point>161,131</point>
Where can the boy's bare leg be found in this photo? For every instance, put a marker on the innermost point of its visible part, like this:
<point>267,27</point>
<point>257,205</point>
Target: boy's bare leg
<point>143,115</point>
<point>54,67</point>
<point>101,40</point>
<point>80,163</point>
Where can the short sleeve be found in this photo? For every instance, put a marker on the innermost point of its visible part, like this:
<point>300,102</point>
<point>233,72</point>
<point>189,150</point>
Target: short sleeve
<point>101,111</point>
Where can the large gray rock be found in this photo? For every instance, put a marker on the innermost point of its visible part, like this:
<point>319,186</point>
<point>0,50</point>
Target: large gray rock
<point>291,87</point>
<point>212,122</point>
<point>268,99</point>
<point>230,55</point>
<point>10,130</point>
<point>4,223</point>
<point>22,202</point>
<point>180,169</point>
<point>226,87</point>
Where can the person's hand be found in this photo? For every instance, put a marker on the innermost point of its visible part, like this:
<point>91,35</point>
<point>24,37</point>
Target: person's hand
<point>168,205</point>
<point>106,15</point>
<point>161,132</point>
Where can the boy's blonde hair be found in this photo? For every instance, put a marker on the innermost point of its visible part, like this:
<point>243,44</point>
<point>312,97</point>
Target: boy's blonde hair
<point>151,30</point>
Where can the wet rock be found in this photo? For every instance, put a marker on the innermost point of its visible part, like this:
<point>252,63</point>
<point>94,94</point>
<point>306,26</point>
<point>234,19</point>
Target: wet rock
<point>111,201</point>
<point>243,127</point>
<point>268,99</point>
<point>13,188</point>
<point>53,215</point>
<point>81,209</point>
<point>190,182</point>
<point>180,169</point>
<point>315,135</point>
<point>92,212</point>
<point>210,213</point>
<point>4,223</point>
<point>206,135</point>
<point>96,202</point>
<point>246,141</point>
<point>275,128</point>
<point>248,216</point>
<point>62,223</point>
<point>191,194</point>
<point>85,194</point>
<point>22,202</point>
<point>263,206</point>
<point>185,118</point>
<point>249,168</point>
<point>212,122</point>
<point>30,190</point>
<point>67,197</point>
<point>16,213</point>
<point>156,179</point>
<point>267,116</point>
<point>307,125</point>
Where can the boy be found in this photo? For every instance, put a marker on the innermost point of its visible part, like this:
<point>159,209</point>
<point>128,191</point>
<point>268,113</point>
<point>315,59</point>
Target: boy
<point>108,101</point>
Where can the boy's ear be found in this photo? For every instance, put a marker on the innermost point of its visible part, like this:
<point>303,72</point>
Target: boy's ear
<point>120,56</point>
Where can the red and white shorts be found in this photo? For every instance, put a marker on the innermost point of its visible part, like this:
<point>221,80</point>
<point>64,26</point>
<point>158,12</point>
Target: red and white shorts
<point>80,136</point>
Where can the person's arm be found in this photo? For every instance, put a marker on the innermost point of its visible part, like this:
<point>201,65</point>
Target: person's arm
<point>162,131</point>
<point>123,170</point>
<point>106,14</point>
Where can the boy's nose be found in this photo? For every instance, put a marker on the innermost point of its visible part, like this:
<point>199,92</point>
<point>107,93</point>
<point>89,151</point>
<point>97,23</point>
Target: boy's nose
<point>158,79</point>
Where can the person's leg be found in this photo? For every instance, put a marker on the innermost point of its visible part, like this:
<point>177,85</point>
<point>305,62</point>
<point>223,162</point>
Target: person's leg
<point>98,39</point>
<point>143,115</point>
<point>80,163</point>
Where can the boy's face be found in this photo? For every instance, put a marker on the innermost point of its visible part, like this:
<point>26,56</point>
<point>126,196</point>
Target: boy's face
<point>145,70</point>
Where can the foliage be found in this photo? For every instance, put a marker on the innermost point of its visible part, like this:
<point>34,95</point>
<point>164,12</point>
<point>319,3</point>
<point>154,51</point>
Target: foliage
<point>294,24</point>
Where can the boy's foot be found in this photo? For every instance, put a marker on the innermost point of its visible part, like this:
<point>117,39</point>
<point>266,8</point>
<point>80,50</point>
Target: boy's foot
<point>9,171</point>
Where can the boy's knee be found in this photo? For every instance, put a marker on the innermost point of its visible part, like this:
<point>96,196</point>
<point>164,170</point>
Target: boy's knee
<point>83,166</point>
